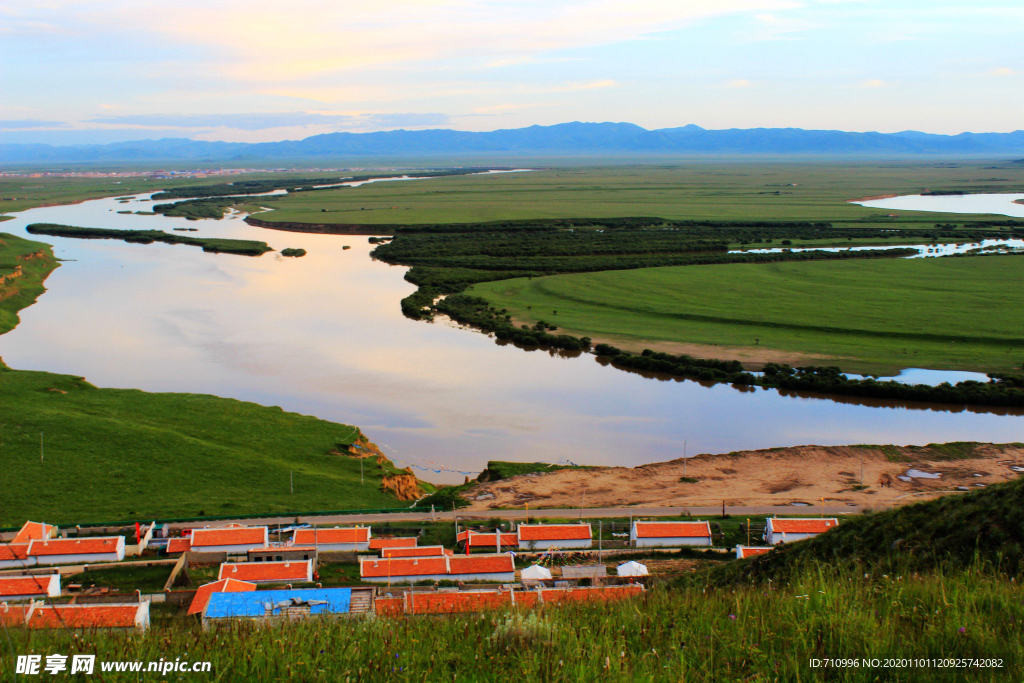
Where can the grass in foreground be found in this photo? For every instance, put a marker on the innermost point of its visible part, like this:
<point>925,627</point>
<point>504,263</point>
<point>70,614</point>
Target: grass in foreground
<point>876,315</point>
<point>112,454</point>
<point>692,634</point>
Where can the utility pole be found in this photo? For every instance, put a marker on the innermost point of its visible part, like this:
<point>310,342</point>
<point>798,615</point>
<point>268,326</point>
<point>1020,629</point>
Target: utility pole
<point>360,470</point>
<point>862,469</point>
<point>600,533</point>
<point>582,499</point>
<point>748,530</point>
<point>684,458</point>
<point>291,479</point>
<point>40,448</point>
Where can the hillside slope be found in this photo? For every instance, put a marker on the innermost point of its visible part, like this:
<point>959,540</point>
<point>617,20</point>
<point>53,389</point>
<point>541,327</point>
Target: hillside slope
<point>952,533</point>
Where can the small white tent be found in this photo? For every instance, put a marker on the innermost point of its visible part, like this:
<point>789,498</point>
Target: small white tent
<point>631,569</point>
<point>535,572</point>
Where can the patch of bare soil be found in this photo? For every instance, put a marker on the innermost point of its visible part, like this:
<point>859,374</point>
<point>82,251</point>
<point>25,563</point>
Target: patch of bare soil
<point>778,476</point>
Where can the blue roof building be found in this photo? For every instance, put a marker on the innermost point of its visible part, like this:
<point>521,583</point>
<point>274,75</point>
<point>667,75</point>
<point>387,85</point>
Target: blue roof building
<point>279,604</point>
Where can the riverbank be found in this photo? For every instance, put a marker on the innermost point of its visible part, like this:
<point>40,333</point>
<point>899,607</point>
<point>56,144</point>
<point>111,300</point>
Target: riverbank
<point>776,476</point>
<point>24,266</point>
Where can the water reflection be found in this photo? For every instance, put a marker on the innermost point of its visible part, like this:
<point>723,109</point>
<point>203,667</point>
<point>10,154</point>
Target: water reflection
<point>324,335</point>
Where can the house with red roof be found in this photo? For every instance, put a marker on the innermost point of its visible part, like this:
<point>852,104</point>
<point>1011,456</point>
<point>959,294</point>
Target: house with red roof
<point>418,551</point>
<point>179,545</point>
<point>788,530</point>
<point>337,538</point>
<point>561,536</point>
<point>745,551</point>
<point>669,534</point>
<point>229,539</point>
<point>393,542</point>
<point>29,587</point>
<point>488,540</point>
<point>293,571</point>
<point>495,568</point>
<point>134,616</point>
<point>223,586</point>
<point>33,531</point>
<point>87,550</point>
<point>15,556</point>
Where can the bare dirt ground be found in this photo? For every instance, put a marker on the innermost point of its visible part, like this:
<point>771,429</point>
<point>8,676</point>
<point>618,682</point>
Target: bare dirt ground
<point>778,476</point>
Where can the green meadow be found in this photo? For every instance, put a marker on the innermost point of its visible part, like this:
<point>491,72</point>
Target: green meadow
<point>36,261</point>
<point>872,316</point>
<point>113,454</point>
<point>698,190</point>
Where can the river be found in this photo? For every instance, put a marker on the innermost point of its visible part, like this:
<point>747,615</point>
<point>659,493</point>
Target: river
<point>324,335</point>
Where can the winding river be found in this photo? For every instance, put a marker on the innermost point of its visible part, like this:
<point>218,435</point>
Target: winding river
<point>324,335</point>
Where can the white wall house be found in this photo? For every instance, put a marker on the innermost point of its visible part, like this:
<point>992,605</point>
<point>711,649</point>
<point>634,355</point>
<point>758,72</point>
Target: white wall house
<point>15,556</point>
<point>790,530</point>
<point>337,538</point>
<point>88,550</point>
<point>561,536</point>
<point>229,539</point>
<point>29,587</point>
<point>670,534</point>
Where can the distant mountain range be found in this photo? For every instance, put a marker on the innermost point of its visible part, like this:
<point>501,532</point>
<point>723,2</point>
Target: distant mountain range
<point>619,139</point>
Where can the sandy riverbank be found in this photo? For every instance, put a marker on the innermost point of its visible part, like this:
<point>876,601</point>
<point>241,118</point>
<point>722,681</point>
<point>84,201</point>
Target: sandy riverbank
<point>778,476</point>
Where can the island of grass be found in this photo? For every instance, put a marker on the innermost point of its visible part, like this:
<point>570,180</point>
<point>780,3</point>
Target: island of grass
<point>24,265</point>
<point>211,244</point>
<point>113,454</point>
<point>873,316</point>
<point>296,253</point>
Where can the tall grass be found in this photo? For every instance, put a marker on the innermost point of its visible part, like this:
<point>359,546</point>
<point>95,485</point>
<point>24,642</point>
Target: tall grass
<point>694,633</point>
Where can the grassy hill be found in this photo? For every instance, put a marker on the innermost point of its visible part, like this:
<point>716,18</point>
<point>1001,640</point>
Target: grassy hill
<point>112,454</point>
<point>952,533</point>
<point>875,315</point>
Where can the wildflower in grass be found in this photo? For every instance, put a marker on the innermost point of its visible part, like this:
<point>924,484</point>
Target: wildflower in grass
<point>962,630</point>
<point>733,617</point>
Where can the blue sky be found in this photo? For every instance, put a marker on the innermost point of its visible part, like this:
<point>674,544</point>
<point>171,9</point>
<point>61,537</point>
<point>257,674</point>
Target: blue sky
<point>75,71</point>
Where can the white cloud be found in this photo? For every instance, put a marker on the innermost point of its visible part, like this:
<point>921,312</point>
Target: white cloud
<point>1004,71</point>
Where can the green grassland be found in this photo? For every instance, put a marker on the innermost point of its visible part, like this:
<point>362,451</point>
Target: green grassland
<point>701,190</point>
<point>115,454</point>
<point>872,316</point>
<point>36,261</point>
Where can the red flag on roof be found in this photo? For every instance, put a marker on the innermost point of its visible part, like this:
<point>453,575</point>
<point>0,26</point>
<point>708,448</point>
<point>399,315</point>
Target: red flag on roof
<point>138,534</point>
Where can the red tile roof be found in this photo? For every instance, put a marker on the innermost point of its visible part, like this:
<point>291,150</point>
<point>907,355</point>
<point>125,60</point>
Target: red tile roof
<point>418,551</point>
<point>13,615</point>
<point>422,566</point>
<point>223,586</point>
<point>294,570</point>
<point>803,526</point>
<point>84,616</point>
<point>461,536</point>
<point>508,540</point>
<point>553,532</point>
<point>553,595</point>
<point>179,545</point>
<point>673,530</point>
<point>75,546</point>
<point>13,551</point>
<point>206,538</point>
<point>34,530</point>
<point>407,542</point>
<point>481,564</point>
<point>451,603</point>
<point>25,585</point>
<point>751,552</point>
<point>335,535</point>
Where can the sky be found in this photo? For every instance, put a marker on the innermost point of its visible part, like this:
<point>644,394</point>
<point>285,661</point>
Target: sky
<point>93,71</point>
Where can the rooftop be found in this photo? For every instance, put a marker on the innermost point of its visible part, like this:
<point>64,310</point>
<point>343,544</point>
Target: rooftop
<point>294,570</point>
<point>553,532</point>
<point>803,526</point>
<point>75,546</point>
<point>237,535</point>
<point>34,530</point>
<point>673,530</point>
<point>335,535</point>
<point>25,585</point>
<point>85,616</point>
<point>223,586</point>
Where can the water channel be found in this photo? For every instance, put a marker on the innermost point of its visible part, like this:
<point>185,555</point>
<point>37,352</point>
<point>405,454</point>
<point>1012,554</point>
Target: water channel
<point>324,335</point>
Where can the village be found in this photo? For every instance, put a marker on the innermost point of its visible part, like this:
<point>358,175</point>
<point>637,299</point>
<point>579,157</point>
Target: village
<point>52,578</point>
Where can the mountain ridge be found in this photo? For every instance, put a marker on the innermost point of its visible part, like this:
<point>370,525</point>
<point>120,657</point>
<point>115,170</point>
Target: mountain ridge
<point>579,138</point>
